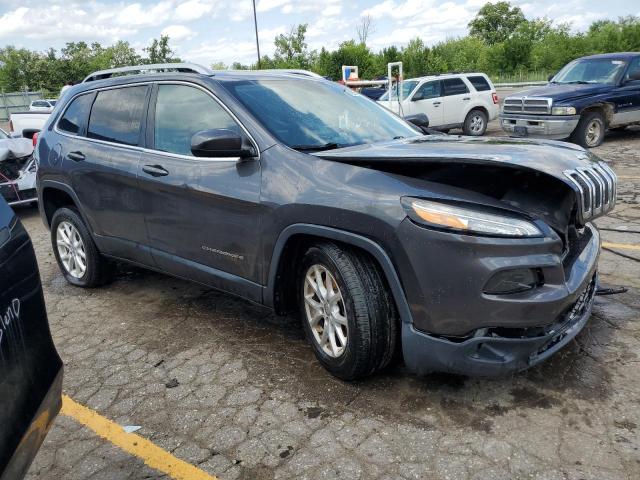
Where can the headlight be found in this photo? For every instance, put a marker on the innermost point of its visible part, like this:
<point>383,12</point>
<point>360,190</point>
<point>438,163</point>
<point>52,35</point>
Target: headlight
<point>441,215</point>
<point>563,111</point>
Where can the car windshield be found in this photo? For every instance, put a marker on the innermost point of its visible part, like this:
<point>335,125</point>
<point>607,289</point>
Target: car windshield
<point>594,70</point>
<point>407,88</point>
<point>317,115</point>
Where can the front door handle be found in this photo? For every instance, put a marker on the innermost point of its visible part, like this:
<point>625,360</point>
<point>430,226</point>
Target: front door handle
<point>155,170</point>
<point>437,103</point>
<point>76,156</point>
<point>466,98</point>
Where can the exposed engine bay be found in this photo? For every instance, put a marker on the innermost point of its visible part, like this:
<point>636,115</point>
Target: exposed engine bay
<point>17,171</point>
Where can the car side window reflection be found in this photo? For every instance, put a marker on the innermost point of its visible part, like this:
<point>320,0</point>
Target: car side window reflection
<point>181,111</point>
<point>429,90</point>
<point>75,115</point>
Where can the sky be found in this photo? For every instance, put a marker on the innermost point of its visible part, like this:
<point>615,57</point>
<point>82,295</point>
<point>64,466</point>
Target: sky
<point>208,31</point>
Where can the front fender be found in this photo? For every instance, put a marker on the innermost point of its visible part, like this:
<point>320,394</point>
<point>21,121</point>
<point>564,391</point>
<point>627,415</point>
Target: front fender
<point>342,236</point>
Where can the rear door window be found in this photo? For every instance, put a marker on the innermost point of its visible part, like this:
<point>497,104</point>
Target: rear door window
<point>479,83</point>
<point>454,86</point>
<point>75,116</point>
<point>117,114</point>
<point>180,112</point>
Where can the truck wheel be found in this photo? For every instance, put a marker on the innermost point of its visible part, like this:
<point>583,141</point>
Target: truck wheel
<point>475,124</point>
<point>347,312</point>
<point>590,130</point>
<point>76,253</point>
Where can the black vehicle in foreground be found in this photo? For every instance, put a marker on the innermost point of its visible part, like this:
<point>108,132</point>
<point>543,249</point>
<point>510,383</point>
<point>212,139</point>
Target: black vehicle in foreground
<point>30,368</point>
<point>473,255</point>
<point>584,99</point>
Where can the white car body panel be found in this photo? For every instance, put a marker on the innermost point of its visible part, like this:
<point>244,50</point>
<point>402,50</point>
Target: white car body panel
<point>448,111</point>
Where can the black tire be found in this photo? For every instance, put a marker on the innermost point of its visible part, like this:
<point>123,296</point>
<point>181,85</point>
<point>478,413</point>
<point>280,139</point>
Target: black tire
<point>372,321</point>
<point>99,270</point>
<point>583,135</point>
<point>476,123</point>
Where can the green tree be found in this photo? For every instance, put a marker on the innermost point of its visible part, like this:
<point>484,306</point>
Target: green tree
<point>415,58</point>
<point>292,50</point>
<point>495,22</point>
<point>159,51</point>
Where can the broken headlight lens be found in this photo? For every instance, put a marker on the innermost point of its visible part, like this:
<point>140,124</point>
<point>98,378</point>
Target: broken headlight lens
<point>563,111</point>
<point>465,219</point>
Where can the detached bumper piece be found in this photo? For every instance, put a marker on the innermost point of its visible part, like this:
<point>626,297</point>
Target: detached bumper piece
<point>495,352</point>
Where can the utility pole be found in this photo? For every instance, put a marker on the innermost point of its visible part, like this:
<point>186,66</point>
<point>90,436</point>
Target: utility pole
<point>255,22</point>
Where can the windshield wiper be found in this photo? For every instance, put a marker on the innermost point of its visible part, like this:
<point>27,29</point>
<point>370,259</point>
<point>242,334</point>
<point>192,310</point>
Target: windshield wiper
<point>580,82</point>
<point>315,148</point>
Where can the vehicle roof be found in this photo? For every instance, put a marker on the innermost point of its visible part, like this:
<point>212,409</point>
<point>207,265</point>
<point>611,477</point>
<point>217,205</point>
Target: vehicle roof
<point>613,56</point>
<point>446,75</point>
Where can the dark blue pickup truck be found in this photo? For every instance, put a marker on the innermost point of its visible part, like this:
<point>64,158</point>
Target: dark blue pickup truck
<point>582,101</point>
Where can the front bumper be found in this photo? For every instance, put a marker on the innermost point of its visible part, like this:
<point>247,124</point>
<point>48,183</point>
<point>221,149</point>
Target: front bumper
<point>456,327</point>
<point>495,355</point>
<point>553,127</point>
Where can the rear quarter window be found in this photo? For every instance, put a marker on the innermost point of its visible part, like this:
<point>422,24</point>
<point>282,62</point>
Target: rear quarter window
<point>479,83</point>
<point>75,115</point>
<point>116,115</point>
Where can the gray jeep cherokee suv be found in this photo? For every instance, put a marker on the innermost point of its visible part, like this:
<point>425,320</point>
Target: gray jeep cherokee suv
<point>472,255</point>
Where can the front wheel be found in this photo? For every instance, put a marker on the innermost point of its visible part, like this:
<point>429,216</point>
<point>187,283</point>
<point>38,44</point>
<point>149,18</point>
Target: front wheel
<point>476,123</point>
<point>347,312</point>
<point>590,130</point>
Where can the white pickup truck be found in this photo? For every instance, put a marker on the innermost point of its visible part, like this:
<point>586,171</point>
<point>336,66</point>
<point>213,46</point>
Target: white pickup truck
<point>25,124</point>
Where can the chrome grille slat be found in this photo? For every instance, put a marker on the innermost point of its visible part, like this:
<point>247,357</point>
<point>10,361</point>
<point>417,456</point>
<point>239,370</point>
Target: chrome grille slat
<point>534,105</point>
<point>596,187</point>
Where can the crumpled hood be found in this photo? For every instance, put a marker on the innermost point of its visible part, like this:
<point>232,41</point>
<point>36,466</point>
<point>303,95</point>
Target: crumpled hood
<point>11,148</point>
<point>547,156</point>
<point>562,92</point>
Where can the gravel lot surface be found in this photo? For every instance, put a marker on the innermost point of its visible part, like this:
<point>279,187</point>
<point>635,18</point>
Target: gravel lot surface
<point>250,401</point>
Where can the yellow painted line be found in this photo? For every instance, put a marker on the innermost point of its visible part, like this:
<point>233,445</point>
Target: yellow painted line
<point>150,453</point>
<point>624,246</point>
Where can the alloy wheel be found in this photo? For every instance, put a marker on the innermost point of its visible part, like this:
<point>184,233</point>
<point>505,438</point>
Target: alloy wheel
<point>71,249</point>
<point>594,133</point>
<point>477,124</point>
<point>325,311</point>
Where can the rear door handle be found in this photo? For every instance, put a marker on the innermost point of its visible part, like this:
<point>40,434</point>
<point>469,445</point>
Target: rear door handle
<point>437,103</point>
<point>466,98</point>
<point>76,156</point>
<point>155,170</point>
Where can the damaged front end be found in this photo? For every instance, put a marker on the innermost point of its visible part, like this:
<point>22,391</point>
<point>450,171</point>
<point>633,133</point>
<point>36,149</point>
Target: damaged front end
<point>17,171</point>
<point>492,304</point>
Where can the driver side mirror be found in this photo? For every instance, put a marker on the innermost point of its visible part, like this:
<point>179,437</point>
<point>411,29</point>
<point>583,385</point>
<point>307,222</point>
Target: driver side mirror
<point>633,76</point>
<point>417,96</point>
<point>221,142</point>
<point>419,120</point>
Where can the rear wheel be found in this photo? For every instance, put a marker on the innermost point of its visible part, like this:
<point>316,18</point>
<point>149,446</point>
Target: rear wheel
<point>590,130</point>
<point>476,123</point>
<point>76,253</point>
<point>347,312</point>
